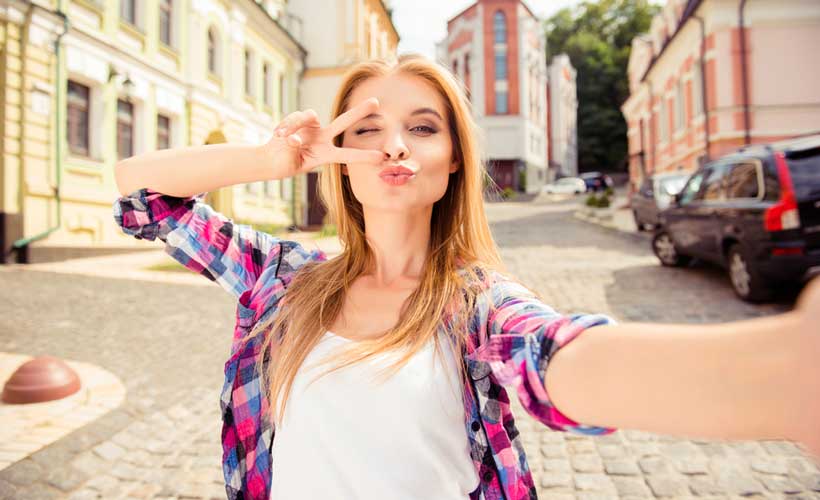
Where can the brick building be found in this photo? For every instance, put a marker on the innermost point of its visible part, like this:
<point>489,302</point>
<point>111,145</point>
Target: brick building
<point>714,75</point>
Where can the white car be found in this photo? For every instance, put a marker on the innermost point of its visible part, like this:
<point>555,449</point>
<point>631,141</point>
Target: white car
<point>566,185</point>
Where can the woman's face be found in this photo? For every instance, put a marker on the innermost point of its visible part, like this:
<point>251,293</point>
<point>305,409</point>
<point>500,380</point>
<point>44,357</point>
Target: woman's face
<point>411,127</point>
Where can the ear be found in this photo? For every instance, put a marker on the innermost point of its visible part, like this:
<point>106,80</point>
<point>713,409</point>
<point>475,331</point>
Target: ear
<point>454,166</point>
<point>344,168</point>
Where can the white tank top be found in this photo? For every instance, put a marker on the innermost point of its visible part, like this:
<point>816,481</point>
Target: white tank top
<point>348,437</point>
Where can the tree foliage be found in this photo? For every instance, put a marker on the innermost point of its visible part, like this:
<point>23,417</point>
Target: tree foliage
<point>597,37</point>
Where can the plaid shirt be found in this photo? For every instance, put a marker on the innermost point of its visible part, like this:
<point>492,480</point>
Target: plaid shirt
<point>509,345</point>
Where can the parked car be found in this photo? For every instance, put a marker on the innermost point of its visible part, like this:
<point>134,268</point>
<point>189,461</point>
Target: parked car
<point>566,185</point>
<point>755,212</point>
<point>654,195</point>
<point>596,181</point>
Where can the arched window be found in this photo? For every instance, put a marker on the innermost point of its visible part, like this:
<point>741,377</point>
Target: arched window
<point>500,27</point>
<point>213,51</point>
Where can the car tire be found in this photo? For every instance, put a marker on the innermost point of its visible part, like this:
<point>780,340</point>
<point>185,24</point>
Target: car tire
<point>745,278</point>
<point>665,251</point>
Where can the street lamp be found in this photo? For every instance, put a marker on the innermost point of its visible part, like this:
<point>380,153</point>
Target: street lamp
<point>127,84</point>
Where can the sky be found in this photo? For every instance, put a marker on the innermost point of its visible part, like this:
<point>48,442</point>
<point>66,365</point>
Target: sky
<point>422,23</point>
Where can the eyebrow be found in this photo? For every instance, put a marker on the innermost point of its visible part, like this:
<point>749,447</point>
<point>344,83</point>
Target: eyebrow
<point>420,111</point>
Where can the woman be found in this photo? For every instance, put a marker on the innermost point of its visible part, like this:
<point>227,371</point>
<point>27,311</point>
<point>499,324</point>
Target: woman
<point>382,370</point>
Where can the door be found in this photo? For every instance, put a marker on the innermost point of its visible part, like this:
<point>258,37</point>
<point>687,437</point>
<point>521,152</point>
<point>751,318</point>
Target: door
<point>316,209</point>
<point>677,218</point>
<point>705,214</point>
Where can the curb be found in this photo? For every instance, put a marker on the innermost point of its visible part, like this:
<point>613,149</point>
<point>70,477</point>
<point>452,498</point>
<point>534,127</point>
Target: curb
<point>589,216</point>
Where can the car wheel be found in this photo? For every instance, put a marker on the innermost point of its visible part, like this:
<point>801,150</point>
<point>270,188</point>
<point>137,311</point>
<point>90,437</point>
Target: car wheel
<point>665,251</point>
<point>638,222</point>
<point>746,280</point>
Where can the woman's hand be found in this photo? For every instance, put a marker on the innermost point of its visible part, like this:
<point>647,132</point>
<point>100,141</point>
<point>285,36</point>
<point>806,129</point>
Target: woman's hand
<point>300,144</point>
<point>808,370</point>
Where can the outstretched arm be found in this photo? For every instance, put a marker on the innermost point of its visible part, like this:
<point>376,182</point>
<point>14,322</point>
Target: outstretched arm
<point>751,379</point>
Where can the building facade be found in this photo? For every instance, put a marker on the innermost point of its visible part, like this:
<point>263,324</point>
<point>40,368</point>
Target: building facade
<point>86,83</point>
<point>337,34</point>
<point>496,48</point>
<point>562,118</point>
<point>714,75</point>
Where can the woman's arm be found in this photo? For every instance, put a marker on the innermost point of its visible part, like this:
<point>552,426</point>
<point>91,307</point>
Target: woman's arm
<point>752,379</point>
<point>188,171</point>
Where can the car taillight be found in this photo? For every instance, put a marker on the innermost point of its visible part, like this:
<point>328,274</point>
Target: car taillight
<point>783,214</point>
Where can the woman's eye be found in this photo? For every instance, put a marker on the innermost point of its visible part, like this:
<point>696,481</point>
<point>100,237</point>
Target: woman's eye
<point>425,129</point>
<point>363,130</point>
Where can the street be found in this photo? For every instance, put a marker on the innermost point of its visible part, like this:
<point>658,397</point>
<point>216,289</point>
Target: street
<point>167,342</point>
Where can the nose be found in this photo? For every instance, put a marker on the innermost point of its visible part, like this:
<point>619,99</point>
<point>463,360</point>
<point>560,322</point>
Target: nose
<point>394,147</point>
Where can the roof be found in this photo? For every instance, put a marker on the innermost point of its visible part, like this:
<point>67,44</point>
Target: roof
<point>688,12</point>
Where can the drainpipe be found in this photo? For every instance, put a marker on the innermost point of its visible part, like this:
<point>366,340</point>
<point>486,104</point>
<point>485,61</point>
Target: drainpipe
<point>744,77</point>
<point>703,98</point>
<point>21,245</point>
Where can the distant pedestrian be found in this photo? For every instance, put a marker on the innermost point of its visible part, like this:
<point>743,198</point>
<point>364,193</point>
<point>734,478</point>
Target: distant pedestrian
<point>417,323</point>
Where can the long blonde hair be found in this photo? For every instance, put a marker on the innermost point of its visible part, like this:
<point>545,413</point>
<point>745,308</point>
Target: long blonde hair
<point>462,253</point>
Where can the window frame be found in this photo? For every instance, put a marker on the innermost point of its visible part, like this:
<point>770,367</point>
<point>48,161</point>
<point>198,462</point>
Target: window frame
<point>132,123</point>
<point>170,9</point>
<point>212,37</point>
<point>500,15</point>
<point>168,130</point>
<point>69,104</point>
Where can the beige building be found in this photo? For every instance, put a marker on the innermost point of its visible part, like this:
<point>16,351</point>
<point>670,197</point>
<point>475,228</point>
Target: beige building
<point>714,75</point>
<point>562,119</point>
<point>85,83</point>
<point>337,34</point>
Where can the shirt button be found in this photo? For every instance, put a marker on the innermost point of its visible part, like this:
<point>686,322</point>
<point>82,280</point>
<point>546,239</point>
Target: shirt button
<point>488,476</point>
<point>475,426</point>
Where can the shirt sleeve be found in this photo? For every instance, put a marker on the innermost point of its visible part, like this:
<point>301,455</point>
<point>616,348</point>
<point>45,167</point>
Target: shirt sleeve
<point>524,334</point>
<point>200,238</point>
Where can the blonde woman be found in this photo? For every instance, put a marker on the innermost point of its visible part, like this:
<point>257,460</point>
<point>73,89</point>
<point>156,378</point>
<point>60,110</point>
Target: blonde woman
<point>380,373</point>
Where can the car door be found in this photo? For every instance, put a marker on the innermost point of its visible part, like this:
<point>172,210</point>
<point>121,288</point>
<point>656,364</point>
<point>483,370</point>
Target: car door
<point>642,199</point>
<point>676,219</point>
<point>705,213</point>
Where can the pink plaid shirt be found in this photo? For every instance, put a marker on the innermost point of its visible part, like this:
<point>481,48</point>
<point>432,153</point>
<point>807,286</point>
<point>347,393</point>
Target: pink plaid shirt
<point>509,345</point>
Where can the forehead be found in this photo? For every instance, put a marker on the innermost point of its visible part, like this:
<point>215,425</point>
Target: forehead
<point>398,93</point>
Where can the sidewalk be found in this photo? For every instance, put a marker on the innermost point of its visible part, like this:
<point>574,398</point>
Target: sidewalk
<point>138,265</point>
<point>617,216</point>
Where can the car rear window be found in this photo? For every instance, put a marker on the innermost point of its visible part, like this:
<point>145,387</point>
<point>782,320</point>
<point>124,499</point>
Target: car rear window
<point>804,167</point>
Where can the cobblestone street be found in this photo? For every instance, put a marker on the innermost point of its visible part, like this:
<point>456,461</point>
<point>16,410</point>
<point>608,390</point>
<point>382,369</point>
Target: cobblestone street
<point>167,342</point>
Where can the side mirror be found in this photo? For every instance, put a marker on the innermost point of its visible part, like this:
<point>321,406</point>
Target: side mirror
<point>676,198</point>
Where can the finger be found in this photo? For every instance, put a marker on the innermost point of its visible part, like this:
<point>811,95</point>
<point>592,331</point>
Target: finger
<point>353,155</point>
<point>295,121</point>
<point>353,115</point>
<point>294,140</point>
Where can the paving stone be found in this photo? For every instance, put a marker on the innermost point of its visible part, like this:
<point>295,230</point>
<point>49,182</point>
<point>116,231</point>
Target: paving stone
<point>553,450</point>
<point>587,463</point>
<point>740,484</point>
<point>65,479</point>
<point>631,486</point>
<point>611,451</point>
<point>703,485</point>
<point>23,473</point>
<point>691,466</point>
<point>622,467</point>
<point>109,451</point>
<point>769,465</point>
<point>557,465</point>
<point>655,465</point>
<point>84,494</point>
<point>594,482</point>
<point>780,484</point>
<point>578,447</point>
<point>90,464</point>
<point>665,485</point>
<point>555,480</point>
<point>7,490</point>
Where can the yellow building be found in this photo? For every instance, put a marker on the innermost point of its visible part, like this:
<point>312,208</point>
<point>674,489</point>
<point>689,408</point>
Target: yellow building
<point>337,34</point>
<point>87,82</point>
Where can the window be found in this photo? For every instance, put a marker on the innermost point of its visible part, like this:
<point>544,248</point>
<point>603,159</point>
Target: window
<point>282,94</point>
<point>77,118</point>
<point>680,107</point>
<point>165,11</point>
<point>270,188</point>
<point>713,186</point>
<point>692,188</point>
<point>248,72</point>
<point>267,78</point>
<point>163,132</point>
<point>125,129</point>
<point>743,181</point>
<point>500,27</point>
<point>455,67</point>
<point>501,102</point>
<point>467,74</point>
<point>128,11</point>
<point>664,121</point>
<point>500,66</point>
<point>697,89</point>
<point>212,52</point>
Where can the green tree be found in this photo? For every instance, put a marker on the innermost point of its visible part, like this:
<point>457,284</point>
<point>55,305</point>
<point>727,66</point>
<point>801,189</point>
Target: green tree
<point>597,37</point>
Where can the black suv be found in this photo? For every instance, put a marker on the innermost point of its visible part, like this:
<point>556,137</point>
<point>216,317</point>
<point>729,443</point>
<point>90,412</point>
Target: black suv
<point>755,212</point>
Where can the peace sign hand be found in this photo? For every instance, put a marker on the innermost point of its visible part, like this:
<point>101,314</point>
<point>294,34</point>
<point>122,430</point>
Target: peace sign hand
<point>300,144</point>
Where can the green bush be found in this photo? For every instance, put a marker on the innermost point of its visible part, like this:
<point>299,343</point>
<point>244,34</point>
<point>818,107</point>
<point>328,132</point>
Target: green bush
<point>596,201</point>
<point>592,200</point>
<point>508,193</point>
<point>609,192</point>
<point>603,201</point>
